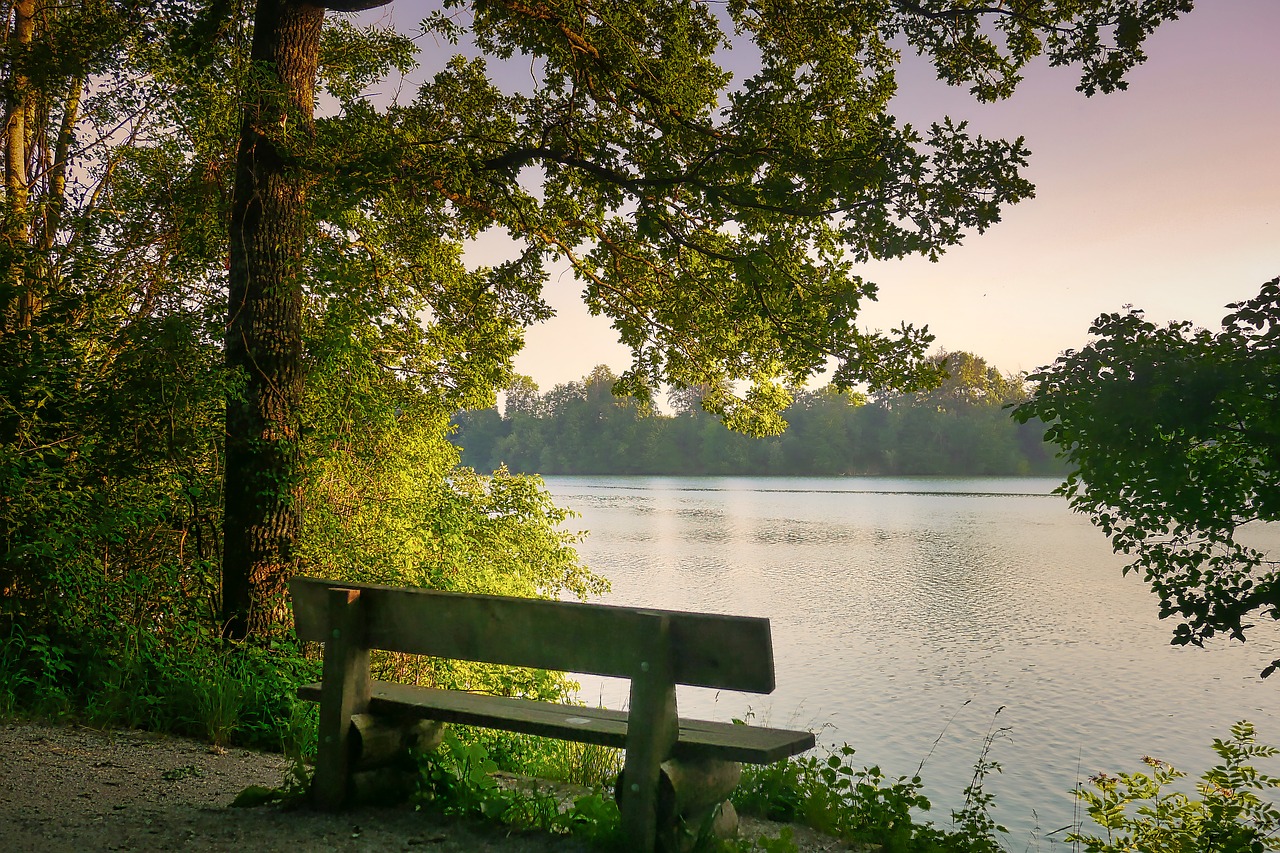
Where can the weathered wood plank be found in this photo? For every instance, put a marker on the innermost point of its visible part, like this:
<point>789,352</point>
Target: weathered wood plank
<point>566,722</point>
<point>345,692</point>
<point>709,650</point>
<point>653,730</point>
<point>603,726</point>
<point>730,742</point>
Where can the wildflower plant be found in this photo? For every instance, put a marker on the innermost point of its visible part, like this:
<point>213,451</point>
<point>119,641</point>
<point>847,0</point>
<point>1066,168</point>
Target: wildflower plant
<point>1228,813</point>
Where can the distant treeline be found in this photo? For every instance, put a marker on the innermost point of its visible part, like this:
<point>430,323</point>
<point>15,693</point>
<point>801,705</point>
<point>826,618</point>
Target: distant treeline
<point>961,428</point>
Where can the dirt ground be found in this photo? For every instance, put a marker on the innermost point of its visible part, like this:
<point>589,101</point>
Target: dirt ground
<point>70,788</point>
<point>73,789</point>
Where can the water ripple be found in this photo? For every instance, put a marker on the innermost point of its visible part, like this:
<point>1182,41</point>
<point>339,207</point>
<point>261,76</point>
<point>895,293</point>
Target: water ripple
<point>905,608</point>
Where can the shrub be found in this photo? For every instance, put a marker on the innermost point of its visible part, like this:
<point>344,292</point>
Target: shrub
<point>1226,814</point>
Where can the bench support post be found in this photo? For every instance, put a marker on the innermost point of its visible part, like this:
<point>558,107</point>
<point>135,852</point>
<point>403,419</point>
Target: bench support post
<point>345,692</point>
<point>652,730</point>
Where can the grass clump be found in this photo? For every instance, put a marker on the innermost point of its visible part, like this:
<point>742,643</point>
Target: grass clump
<point>196,686</point>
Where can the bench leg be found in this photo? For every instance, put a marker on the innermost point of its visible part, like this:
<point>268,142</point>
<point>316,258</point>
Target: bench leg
<point>696,791</point>
<point>652,729</point>
<point>343,692</point>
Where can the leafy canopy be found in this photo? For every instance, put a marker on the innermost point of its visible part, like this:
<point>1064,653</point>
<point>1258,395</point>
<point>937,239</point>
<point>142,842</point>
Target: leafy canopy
<point>718,220</point>
<point>113,384</point>
<point>1173,435</point>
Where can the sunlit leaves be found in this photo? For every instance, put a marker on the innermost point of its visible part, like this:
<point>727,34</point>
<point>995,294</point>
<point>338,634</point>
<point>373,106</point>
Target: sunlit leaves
<point>986,46</point>
<point>716,221</point>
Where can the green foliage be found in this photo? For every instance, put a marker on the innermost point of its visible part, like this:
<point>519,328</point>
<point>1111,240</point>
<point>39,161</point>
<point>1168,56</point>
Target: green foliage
<point>828,794</point>
<point>1171,434</point>
<point>717,227</point>
<point>586,765</point>
<point>458,780</point>
<point>580,764</point>
<point>239,694</point>
<point>860,805</point>
<point>960,428</point>
<point>386,501</point>
<point>832,796</point>
<point>1139,813</point>
<point>716,221</point>
<point>113,387</point>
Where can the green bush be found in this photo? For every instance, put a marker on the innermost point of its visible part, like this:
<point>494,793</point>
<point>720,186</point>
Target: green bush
<point>1138,812</point>
<point>458,780</point>
<point>862,806</point>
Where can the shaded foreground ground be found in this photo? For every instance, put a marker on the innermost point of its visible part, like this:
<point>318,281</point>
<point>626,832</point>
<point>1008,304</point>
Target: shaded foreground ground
<point>73,788</point>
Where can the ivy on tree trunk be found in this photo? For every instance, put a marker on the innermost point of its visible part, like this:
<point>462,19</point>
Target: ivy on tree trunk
<point>264,324</point>
<point>264,321</point>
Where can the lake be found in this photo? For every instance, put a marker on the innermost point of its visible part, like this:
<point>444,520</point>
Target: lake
<point>907,611</point>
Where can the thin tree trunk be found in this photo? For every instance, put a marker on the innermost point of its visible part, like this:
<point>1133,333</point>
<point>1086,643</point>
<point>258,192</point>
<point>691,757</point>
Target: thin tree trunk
<point>57,201</point>
<point>264,326</point>
<point>16,304</point>
<point>16,300</point>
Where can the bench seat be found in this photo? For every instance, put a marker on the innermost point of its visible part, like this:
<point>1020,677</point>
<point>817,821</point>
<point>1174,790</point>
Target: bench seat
<point>697,738</point>
<point>655,650</point>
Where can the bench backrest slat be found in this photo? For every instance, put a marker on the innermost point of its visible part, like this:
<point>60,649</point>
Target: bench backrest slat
<point>709,650</point>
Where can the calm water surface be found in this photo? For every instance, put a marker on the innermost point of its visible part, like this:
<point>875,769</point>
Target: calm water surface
<point>907,612</point>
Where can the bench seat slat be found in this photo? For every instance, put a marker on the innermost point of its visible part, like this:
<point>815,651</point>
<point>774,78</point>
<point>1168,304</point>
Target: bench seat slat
<point>602,726</point>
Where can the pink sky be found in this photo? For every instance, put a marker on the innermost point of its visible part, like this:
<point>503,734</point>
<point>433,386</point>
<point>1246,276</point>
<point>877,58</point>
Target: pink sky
<point>1165,196</point>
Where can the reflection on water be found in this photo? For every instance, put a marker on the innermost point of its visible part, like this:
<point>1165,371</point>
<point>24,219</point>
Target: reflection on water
<point>905,607</point>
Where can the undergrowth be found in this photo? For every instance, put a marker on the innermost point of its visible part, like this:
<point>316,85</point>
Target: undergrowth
<point>193,685</point>
<point>1139,811</point>
<point>458,780</point>
<point>862,806</point>
<point>243,694</point>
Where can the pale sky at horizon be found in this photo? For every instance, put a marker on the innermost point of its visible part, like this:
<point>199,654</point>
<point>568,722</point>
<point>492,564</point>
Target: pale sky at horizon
<point>1165,196</point>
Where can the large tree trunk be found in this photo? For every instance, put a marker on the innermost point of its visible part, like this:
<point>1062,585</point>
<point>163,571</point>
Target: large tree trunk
<point>264,326</point>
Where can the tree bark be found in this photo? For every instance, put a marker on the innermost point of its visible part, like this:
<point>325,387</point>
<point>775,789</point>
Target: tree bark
<point>264,325</point>
<point>17,301</point>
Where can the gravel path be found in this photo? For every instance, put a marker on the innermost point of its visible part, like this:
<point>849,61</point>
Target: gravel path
<point>71,788</point>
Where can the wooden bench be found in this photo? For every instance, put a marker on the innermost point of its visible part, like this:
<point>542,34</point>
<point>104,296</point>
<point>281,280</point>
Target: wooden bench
<point>655,649</point>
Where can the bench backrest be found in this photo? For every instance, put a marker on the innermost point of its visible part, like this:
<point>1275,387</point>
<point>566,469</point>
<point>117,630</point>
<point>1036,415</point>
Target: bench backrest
<point>707,650</point>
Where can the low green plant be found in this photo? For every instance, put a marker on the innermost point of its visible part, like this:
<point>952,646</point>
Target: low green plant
<point>49,672</point>
<point>585,765</point>
<point>783,842</point>
<point>588,765</point>
<point>1139,812</point>
<point>862,806</point>
<point>458,780</point>
<point>15,681</point>
<point>973,828</point>
<point>220,702</point>
<point>833,796</point>
<point>298,743</point>
<point>187,683</point>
